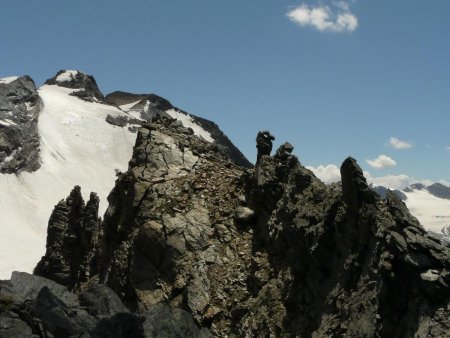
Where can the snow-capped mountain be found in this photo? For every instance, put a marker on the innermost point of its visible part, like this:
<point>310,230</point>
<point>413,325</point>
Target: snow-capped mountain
<point>76,146</point>
<point>61,135</point>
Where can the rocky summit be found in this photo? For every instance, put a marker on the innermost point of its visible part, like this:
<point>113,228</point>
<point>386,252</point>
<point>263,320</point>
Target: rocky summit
<point>194,245</point>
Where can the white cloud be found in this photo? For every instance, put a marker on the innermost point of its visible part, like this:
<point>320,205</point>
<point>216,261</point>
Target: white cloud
<point>328,174</point>
<point>342,5</point>
<point>323,19</point>
<point>448,148</point>
<point>331,173</point>
<point>399,144</point>
<point>444,182</point>
<point>389,181</point>
<point>382,162</point>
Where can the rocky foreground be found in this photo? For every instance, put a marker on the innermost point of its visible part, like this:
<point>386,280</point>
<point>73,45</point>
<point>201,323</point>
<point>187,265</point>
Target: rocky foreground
<point>193,245</point>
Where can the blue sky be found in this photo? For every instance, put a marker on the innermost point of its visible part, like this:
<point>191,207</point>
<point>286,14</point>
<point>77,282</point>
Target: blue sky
<point>334,78</point>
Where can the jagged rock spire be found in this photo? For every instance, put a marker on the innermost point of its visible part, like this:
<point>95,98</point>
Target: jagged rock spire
<point>355,189</point>
<point>264,143</point>
<point>72,238</point>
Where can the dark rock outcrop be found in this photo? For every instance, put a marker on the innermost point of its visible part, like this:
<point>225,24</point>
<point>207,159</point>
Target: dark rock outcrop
<point>19,140</point>
<point>72,241</point>
<point>32,306</point>
<point>88,89</point>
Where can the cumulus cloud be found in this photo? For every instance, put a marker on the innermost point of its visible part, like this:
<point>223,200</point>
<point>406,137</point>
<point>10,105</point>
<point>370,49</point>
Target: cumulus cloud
<point>327,173</point>
<point>324,19</point>
<point>330,173</point>
<point>399,144</point>
<point>382,162</point>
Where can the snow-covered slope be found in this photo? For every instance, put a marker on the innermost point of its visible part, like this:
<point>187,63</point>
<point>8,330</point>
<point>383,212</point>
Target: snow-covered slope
<point>189,122</point>
<point>9,79</point>
<point>432,212</point>
<point>77,147</point>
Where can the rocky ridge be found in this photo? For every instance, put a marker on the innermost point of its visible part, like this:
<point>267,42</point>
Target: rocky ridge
<point>269,251</point>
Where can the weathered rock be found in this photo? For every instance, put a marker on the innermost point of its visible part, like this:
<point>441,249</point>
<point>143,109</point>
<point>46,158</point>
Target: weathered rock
<point>59,318</point>
<point>163,321</point>
<point>99,300</point>
<point>37,307</point>
<point>284,151</point>
<point>12,326</point>
<point>244,214</point>
<point>20,105</point>
<point>28,286</point>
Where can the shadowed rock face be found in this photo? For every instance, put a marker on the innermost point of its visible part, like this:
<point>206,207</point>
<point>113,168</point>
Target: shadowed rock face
<point>270,251</point>
<point>72,241</point>
<point>19,140</point>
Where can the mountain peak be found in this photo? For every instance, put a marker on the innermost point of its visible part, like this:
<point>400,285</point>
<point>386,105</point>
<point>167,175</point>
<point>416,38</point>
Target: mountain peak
<point>76,79</point>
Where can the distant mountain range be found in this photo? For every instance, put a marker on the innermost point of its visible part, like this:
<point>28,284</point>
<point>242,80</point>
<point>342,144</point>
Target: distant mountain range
<point>429,203</point>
